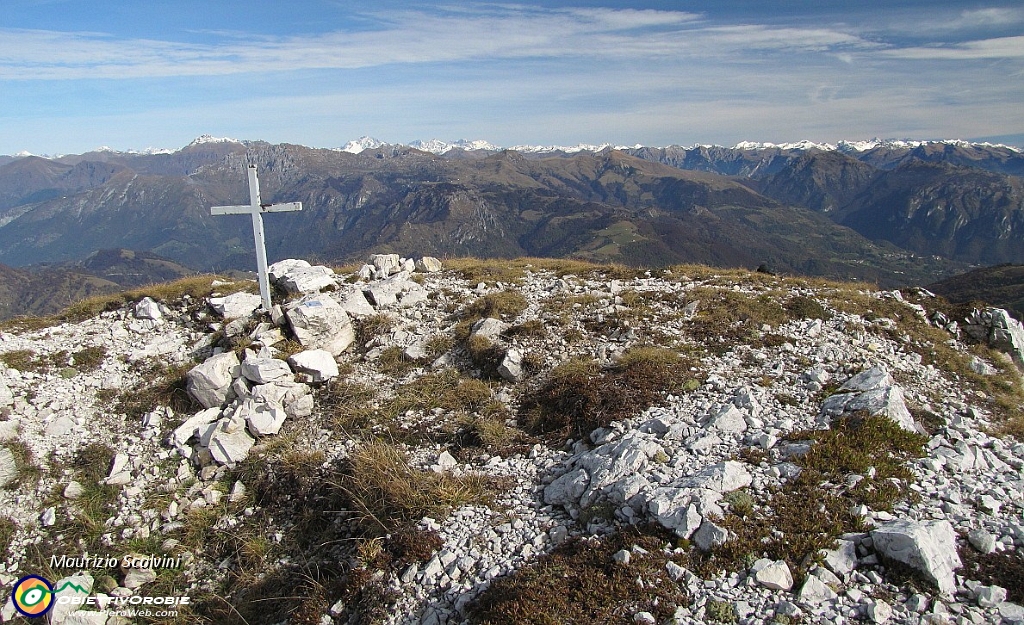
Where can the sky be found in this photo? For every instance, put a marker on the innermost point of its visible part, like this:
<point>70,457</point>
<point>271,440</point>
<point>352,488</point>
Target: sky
<point>78,75</point>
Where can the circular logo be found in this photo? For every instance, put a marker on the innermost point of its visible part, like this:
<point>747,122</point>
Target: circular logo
<point>32,595</point>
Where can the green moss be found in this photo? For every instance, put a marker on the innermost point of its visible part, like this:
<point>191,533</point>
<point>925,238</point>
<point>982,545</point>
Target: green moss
<point>720,611</point>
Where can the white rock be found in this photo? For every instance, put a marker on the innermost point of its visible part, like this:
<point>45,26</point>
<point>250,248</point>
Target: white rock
<point>489,328</point>
<point>136,578</point>
<point>73,490</point>
<point>815,591</point>
<point>879,611</point>
<point>265,420</point>
<point>354,303</point>
<point>843,559</point>
<point>236,305</point>
<point>8,467</point>
<point>264,370</point>
<point>728,419</point>
<point>775,576</point>
<point>319,364</point>
<point>228,443</point>
<point>49,517</point>
<point>981,540</point>
<point>428,264</point>
<point>75,586</point>
<point>319,322</point>
<point>990,596</point>
<point>929,547</point>
<point>6,397</point>
<point>511,369</point>
<point>709,536</point>
<point>278,270</point>
<point>722,477</point>
<point>385,264</point>
<point>210,382</point>
<point>148,309</point>
<point>192,426</point>
<point>872,390</point>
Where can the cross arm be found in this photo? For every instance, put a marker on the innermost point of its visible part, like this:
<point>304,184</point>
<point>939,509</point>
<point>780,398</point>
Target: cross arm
<point>231,210</point>
<point>281,208</point>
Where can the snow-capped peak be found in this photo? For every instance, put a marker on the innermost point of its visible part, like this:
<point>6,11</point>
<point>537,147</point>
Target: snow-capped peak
<point>201,139</point>
<point>362,143</point>
<point>437,146</point>
<point>799,145</point>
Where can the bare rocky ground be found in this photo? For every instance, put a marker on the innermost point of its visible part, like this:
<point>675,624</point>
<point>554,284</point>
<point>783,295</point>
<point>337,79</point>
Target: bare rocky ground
<point>511,442</point>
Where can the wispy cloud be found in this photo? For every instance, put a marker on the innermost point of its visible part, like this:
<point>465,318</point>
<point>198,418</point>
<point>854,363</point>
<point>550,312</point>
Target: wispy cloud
<point>410,38</point>
<point>998,48</point>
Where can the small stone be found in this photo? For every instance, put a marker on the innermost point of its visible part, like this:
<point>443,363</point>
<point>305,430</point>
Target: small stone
<point>136,578</point>
<point>879,611</point>
<point>815,591</point>
<point>709,535</point>
<point>982,540</point>
<point>990,596</point>
<point>622,556</point>
<point>73,490</point>
<point>775,576</point>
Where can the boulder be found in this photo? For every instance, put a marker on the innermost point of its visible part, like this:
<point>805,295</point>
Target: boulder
<point>319,322</point>
<point>397,290</point>
<point>928,547</point>
<point>210,382</point>
<point>193,426</point>
<point>728,419</point>
<point>843,559</point>
<point>78,586</point>
<point>428,264</point>
<point>709,536</point>
<point>1001,331</point>
<point>775,576</point>
<point>354,303</point>
<point>148,309</point>
<point>873,391</point>
<point>301,278</point>
<point>319,364</point>
<point>264,370</point>
<point>236,305</point>
<point>489,328</point>
<point>292,396</point>
<point>722,477</point>
<point>228,441</point>
<point>815,591</point>
<point>8,467</point>
<point>386,264</point>
<point>511,367</point>
<point>262,419</point>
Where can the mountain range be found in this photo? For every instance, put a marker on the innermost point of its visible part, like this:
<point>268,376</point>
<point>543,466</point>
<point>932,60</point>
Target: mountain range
<point>890,212</point>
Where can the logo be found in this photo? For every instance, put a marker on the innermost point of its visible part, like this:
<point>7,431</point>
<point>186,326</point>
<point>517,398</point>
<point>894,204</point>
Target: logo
<point>32,595</point>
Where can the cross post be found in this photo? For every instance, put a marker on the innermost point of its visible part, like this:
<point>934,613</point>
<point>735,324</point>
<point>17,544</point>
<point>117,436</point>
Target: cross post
<point>256,208</point>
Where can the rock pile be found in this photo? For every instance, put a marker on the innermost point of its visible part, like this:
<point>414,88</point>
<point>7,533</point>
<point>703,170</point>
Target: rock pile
<point>685,465</point>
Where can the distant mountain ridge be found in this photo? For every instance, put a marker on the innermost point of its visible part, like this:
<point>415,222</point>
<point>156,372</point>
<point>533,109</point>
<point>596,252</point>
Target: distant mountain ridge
<point>894,212</point>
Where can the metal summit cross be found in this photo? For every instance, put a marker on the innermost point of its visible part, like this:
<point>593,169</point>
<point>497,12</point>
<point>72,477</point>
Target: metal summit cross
<point>256,208</point>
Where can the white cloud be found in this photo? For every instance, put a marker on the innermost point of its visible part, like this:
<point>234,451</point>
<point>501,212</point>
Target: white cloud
<point>998,48</point>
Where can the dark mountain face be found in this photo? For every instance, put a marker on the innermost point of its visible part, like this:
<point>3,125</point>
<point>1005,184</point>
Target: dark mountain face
<point>1002,286</point>
<point>792,208</point>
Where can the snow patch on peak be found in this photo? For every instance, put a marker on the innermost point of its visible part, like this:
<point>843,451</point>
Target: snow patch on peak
<point>201,139</point>
<point>437,146</point>
<point>362,143</point>
<point>799,145</point>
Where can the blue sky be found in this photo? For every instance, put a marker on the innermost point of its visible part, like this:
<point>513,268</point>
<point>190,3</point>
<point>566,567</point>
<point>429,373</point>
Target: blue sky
<point>76,75</point>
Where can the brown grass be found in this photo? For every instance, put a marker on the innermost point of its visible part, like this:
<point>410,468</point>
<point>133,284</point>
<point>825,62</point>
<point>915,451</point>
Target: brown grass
<point>579,396</point>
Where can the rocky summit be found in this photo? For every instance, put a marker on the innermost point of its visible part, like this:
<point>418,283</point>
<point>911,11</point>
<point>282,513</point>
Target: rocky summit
<point>530,441</point>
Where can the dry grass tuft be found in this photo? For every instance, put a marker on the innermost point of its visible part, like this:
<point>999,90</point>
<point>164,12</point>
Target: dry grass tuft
<point>389,494</point>
<point>579,396</point>
<point>580,583</point>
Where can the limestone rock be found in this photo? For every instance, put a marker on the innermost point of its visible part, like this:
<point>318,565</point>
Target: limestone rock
<point>385,264</point>
<point>236,305</point>
<point>319,364</point>
<point>709,536</point>
<point>6,396</point>
<point>354,303</point>
<point>929,547</point>
<point>136,578</point>
<point>148,309</point>
<point>319,322</point>
<point>1000,330</point>
<point>79,585</point>
<point>8,467</point>
<point>210,382</point>
<point>489,328</point>
<point>428,264</point>
<point>843,559</point>
<point>815,591</point>
<point>307,279</point>
<point>264,370</point>
<point>511,369</point>
<point>775,576</point>
<point>229,442</point>
<point>193,425</point>
<point>872,390</point>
